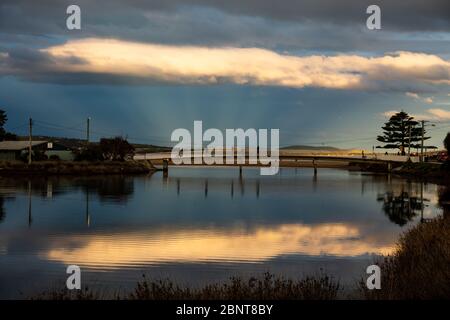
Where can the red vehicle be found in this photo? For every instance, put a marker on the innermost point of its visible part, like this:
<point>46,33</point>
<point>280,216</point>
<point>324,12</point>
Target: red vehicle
<point>442,156</point>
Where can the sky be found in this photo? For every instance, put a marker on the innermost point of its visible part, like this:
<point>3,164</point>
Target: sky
<point>142,69</point>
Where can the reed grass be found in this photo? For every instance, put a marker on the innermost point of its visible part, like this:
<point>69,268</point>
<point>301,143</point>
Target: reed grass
<point>420,266</point>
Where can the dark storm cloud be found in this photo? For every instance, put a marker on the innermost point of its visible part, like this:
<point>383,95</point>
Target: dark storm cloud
<point>318,26</point>
<point>407,15</point>
<point>34,65</point>
<point>45,15</point>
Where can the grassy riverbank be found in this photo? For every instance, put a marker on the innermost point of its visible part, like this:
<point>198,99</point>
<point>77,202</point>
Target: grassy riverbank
<point>72,168</point>
<point>425,170</point>
<point>432,172</point>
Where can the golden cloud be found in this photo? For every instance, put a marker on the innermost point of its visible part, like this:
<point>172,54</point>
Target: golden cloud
<point>253,66</point>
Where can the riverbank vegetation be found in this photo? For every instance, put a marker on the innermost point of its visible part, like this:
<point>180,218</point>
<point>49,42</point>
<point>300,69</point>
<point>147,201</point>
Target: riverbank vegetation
<point>420,266</point>
<point>264,287</point>
<point>267,287</point>
<point>72,168</point>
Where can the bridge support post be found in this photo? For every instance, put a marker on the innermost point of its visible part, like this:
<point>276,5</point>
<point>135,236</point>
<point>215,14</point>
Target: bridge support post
<point>315,167</point>
<point>165,167</point>
<point>240,171</point>
<point>232,188</point>
<point>389,166</point>
<point>257,189</point>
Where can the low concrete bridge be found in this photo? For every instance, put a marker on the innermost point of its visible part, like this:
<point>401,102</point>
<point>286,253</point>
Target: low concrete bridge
<point>285,156</point>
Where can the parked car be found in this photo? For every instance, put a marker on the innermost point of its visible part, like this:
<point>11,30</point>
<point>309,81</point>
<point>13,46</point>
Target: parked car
<point>442,156</point>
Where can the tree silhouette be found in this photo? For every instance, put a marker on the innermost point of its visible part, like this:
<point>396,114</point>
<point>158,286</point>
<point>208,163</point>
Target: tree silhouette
<point>447,143</point>
<point>3,119</point>
<point>3,134</point>
<point>116,149</point>
<point>396,133</point>
<point>444,200</point>
<point>2,209</point>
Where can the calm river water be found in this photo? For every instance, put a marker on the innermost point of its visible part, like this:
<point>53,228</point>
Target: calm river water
<point>200,225</point>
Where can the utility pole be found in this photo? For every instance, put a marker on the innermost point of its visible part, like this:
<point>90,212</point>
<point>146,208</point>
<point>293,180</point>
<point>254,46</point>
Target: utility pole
<point>88,129</point>
<point>409,142</point>
<point>402,147</point>
<point>421,146</point>
<point>30,138</point>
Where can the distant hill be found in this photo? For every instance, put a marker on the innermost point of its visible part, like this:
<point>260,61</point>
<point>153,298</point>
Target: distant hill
<point>143,148</point>
<point>303,147</point>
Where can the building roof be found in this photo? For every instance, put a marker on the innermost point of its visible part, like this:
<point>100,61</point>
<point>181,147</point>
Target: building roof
<point>18,145</point>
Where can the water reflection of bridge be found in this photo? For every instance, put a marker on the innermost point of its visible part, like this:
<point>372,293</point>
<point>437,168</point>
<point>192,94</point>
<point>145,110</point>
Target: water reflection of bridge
<point>401,200</point>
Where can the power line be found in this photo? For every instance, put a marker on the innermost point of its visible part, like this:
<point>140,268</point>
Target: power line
<point>75,127</point>
<point>52,126</point>
<point>18,127</point>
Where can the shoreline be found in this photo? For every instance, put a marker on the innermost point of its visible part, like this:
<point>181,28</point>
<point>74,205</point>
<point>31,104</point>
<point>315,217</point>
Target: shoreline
<point>429,172</point>
<point>70,168</point>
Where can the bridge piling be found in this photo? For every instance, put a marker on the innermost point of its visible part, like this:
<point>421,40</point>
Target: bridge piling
<point>257,189</point>
<point>165,168</point>
<point>232,188</point>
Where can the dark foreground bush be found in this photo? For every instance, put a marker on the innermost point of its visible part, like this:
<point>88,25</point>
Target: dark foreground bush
<point>420,267</point>
<point>268,287</point>
<point>65,294</point>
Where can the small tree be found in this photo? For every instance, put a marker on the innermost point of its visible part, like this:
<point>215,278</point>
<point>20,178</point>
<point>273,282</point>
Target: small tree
<point>3,134</point>
<point>117,149</point>
<point>92,152</point>
<point>3,119</point>
<point>401,132</point>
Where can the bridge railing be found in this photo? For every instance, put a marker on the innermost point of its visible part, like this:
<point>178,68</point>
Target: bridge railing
<point>292,154</point>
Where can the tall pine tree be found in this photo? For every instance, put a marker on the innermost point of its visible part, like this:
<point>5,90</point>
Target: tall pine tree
<point>396,133</point>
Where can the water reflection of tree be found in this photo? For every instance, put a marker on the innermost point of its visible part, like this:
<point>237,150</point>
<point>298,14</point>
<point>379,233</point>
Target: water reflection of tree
<point>108,188</point>
<point>3,199</point>
<point>117,188</point>
<point>2,209</point>
<point>444,200</point>
<point>401,208</point>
